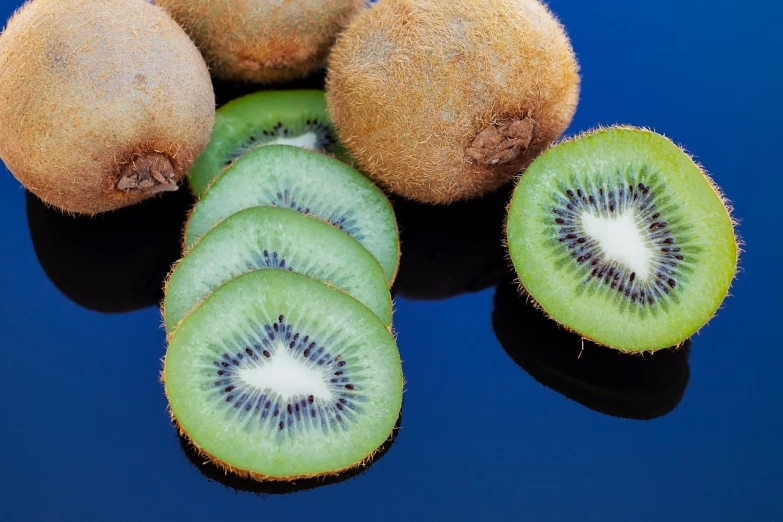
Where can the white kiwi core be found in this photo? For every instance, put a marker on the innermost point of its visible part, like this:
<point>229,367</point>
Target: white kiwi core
<point>308,140</point>
<point>287,376</point>
<point>621,240</point>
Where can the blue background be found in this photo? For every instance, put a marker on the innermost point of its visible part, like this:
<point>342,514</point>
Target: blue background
<point>86,435</point>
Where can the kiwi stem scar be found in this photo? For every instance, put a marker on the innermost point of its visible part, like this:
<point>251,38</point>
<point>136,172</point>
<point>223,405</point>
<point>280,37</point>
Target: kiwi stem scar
<point>502,142</point>
<point>151,172</point>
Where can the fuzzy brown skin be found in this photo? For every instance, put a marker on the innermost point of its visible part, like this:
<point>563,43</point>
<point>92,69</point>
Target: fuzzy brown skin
<point>443,100</point>
<point>263,41</point>
<point>102,103</point>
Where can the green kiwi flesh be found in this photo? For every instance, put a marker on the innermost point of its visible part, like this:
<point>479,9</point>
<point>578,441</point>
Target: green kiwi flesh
<point>310,183</point>
<point>620,236</point>
<point>277,376</point>
<point>296,117</point>
<point>272,237</point>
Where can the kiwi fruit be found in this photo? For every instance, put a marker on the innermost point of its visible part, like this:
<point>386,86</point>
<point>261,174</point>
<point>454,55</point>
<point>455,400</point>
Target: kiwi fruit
<point>310,183</point>
<point>277,376</point>
<point>90,119</point>
<point>114,262</point>
<point>272,237</point>
<point>287,117</point>
<point>262,41</point>
<point>604,380</point>
<point>236,483</point>
<point>449,250</point>
<point>443,100</point>
<point>619,236</point>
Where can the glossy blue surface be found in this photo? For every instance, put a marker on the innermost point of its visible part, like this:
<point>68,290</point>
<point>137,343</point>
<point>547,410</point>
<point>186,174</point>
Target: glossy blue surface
<point>86,435</point>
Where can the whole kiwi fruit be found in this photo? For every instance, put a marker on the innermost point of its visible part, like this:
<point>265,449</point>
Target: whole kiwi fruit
<point>442,100</point>
<point>263,41</point>
<point>102,103</point>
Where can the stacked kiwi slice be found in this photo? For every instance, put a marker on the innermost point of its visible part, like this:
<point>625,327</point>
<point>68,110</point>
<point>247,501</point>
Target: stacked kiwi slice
<point>281,363</point>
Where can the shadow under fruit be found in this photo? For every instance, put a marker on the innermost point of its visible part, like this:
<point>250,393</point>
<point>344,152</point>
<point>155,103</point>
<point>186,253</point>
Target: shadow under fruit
<point>607,381</point>
<point>450,250</point>
<point>114,262</point>
<point>216,474</point>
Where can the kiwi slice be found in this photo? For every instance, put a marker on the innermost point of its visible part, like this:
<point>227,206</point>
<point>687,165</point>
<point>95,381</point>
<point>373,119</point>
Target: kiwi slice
<point>286,117</point>
<point>620,236</point>
<point>277,376</point>
<point>272,237</point>
<point>310,183</point>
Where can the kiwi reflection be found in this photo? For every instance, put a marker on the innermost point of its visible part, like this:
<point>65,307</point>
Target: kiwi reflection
<point>602,379</point>
<point>450,250</point>
<point>225,91</point>
<point>216,474</point>
<point>113,262</point>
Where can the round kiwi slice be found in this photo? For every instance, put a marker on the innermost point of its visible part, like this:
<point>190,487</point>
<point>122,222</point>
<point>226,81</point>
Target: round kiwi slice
<point>276,376</point>
<point>620,236</point>
<point>308,182</point>
<point>272,237</point>
<point>295,117</point>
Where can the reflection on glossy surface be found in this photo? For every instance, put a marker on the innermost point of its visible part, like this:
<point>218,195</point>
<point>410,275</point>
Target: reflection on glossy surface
<point>450,250</point>
<point>113,262</point>
<point>604,380</point>
<point>216,474</point>
<point>226,91</point>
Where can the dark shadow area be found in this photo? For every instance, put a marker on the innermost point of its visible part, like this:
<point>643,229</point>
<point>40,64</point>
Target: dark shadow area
<point>226,91</point>
<point>116,261</point>
<point>604,380</point>
<point>214,473</point>
<point>451,250</point>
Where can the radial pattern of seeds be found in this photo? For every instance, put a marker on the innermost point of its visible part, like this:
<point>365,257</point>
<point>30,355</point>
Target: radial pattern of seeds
<point>263,41</point>
<point>612,232</point>
<point>441,100</point>
<point>91,119</point>
<point>283,117</point>
<point>310,183</point>
<point>271,237</point>
<point>279,376</point>
<point>621,237</point>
